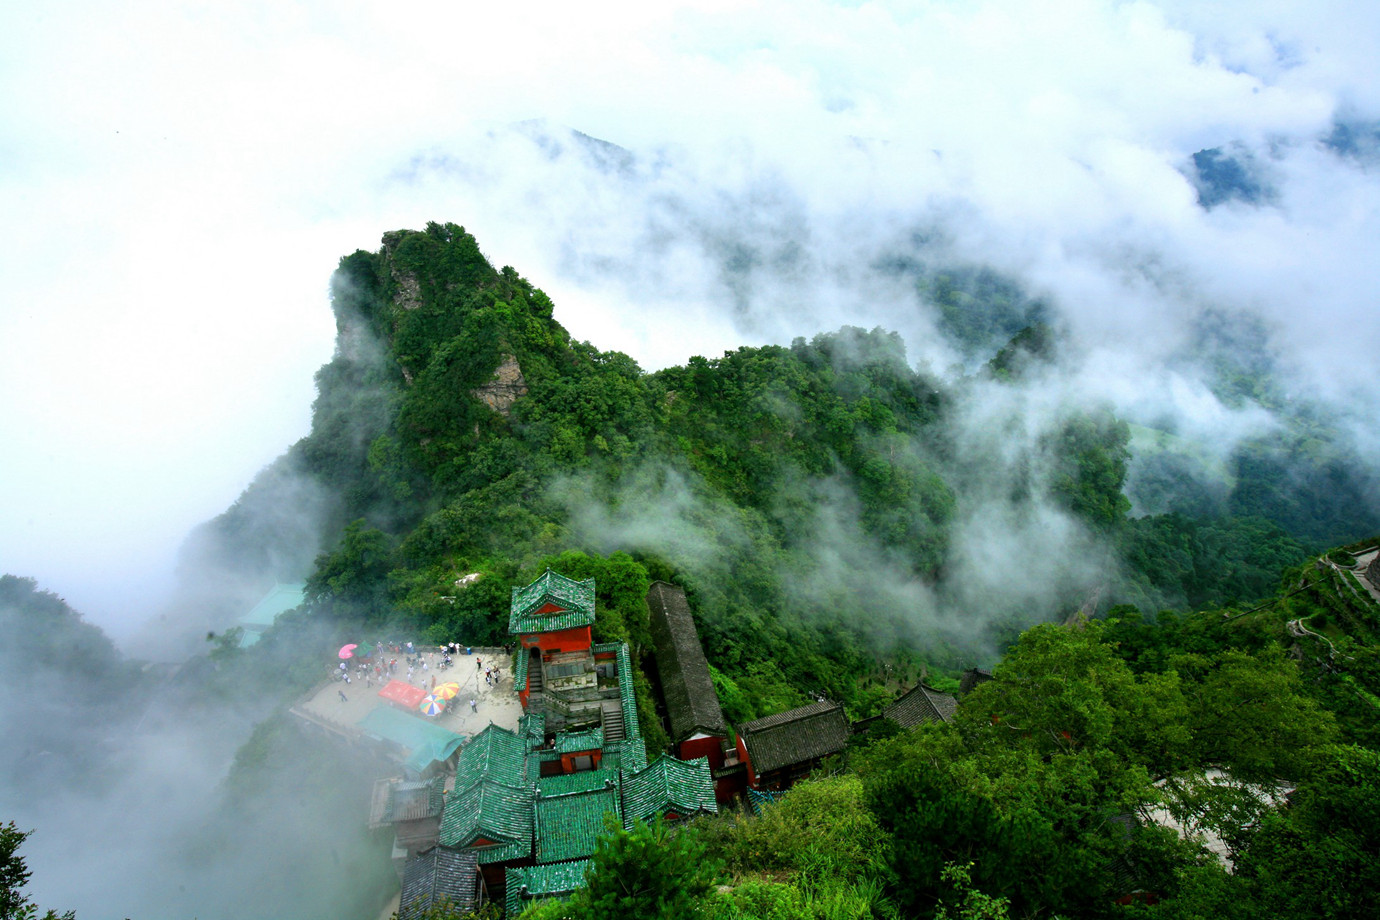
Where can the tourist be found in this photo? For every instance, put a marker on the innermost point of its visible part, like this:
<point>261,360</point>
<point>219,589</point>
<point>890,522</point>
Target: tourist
<point>474,705</point>
<point>343,698</point>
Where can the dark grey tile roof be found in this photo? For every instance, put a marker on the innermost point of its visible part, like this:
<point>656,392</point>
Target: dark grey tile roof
<point>412,801</point>
<point>923,704</point>
<point>970,680</point>
<point>691,702</point>
<point>436,874</point>
<point>796,736</point>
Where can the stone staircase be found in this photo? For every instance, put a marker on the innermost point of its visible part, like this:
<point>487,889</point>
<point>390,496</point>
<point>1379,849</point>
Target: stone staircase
<point>536,684</point>
<point>611,715</point>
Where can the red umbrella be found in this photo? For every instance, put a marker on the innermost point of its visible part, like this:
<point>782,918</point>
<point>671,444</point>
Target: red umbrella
<point>348,651</point>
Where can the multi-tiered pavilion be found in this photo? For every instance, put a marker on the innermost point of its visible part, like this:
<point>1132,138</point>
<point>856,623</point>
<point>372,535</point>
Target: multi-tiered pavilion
<point>525,809</point>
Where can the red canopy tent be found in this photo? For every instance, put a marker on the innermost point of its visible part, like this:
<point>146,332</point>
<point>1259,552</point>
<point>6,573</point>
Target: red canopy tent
<point>404,694</point>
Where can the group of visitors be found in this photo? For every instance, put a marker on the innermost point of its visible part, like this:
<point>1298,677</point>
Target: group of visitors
<point>416,663</point>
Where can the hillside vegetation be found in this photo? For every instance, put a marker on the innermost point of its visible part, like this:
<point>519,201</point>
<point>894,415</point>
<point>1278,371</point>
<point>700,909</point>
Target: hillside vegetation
<point>846,523</point>
<point>805,495</point>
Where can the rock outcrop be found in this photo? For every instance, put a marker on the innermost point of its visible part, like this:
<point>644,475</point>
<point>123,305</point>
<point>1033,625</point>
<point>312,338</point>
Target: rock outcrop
<point>504,388</point>
<point>1373,571</point>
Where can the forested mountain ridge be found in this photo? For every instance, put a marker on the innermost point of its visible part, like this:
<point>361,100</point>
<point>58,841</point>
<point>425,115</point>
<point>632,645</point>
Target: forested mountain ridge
<point>845,524</point>
<point>791,489</point>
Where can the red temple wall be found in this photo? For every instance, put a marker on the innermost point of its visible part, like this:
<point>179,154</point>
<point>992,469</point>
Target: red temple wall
<point>562,640</point>
<point>568,760</point>
<point>711,747</point>
<point>747,761</point>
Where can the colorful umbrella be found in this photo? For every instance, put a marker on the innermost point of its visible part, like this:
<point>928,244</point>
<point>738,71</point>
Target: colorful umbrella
<point>364,651</point>
<point>432,706</point>
<point>348,651</point>
<point>446,691</point>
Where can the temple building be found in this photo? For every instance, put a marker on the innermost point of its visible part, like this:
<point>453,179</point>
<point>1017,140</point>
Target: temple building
<point>972,679</point>
<point>923,704</point>
<point>527,808</point>
<point>781,749</point>
<point>697,726</point>
<point>562,674</point>
<point>441,876</point>
<point>414,811</point>
<point>670,789</point>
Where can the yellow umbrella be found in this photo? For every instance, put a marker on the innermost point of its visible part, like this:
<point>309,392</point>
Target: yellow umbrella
<point>446,691</point>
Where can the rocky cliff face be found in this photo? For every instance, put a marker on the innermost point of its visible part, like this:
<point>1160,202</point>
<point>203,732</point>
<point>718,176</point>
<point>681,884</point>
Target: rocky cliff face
<point>504,388</point>
<point>407,293</point>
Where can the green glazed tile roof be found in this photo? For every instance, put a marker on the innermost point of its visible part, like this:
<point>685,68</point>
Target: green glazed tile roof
<point>494,811</point>
<point>759,798</point>
<point>669,785</point>
<point>583,781</point>
<point>533,727</point>
<point>575,597</point>
<point>520,662</point>
<point>574,742</point>
<point>425,741</point>
<point>550,881</point>
<point>568,826</point>
<point>628,696</point>
<point>494,753</point>
<point>628,755</point>
<point>632,754</point>
<point>279,600</point>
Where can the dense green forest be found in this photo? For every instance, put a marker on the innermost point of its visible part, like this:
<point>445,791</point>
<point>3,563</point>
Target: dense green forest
<point>775,483</point>
<point>806,496</point>
<point>832,509</point>
<point>1051,791</point>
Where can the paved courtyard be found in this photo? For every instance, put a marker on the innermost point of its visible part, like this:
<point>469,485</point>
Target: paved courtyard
<point>498,705</point>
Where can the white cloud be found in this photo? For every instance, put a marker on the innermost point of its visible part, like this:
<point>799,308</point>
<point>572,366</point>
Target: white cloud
<point>177,182</point>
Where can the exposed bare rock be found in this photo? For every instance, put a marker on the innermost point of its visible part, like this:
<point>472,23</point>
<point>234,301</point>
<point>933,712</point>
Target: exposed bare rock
<point>409,292</point>
<point>1368,563</point>
<point>408,295</point>
<point>504,388</point>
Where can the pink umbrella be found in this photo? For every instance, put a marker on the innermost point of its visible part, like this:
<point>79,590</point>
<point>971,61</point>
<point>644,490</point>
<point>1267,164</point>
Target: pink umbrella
<point>348,651</point>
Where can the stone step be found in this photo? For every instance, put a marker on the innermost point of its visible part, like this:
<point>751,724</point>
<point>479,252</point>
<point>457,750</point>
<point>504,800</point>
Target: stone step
<point>611,715</point>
